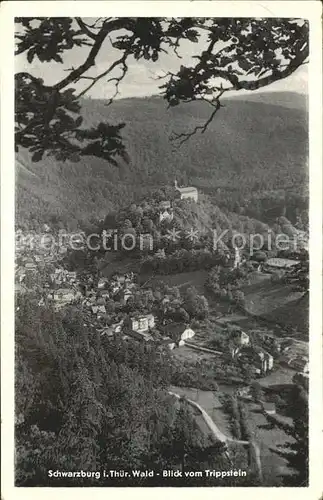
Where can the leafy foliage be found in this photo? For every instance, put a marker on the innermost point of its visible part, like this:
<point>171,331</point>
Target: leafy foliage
<point>240,53</point>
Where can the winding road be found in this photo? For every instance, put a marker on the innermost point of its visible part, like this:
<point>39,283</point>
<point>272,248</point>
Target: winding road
<point>223,438</point>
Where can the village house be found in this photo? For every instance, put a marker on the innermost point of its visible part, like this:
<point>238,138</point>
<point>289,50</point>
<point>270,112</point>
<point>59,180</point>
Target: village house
<point>178,332</point>
<point>255,265</point>
<point>118,278</point>
<point>245,393</point>
<point>107,233</point>
<point>86,303</point>
<point>240,337</point>
<point>237,258</point>
<point>140,335</point>
<point>166,215</point>
<point>299,363</point>
<point>62,295</point>
<point>268,407</point>
<point>168,342</point>
<point>20,274</point>
<point>98,309</point>
<point>118,281</point>
<point>187,192</point>
<point>160,253</point>
<point>102,283</point>
<point>59,276</point>
<point>271,341</point>
<point>244,338</point>
<point>111,330</point>
<point>278,263</point>
<point>100,301</point>
<point>48,259</point>
<point>141,323</point>
<point>71,276</point>
<point>104,294</point>
<point>146,241</point>
<point>165,205</point>
<point>295,355</point>
<point>30,266</point>
<point>262,360</point>
<point>124,295</point>
<point>266,361</point>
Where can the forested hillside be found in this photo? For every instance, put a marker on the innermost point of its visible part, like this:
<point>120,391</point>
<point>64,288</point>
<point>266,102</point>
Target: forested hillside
<point>250,150</point>
<point>86,402</point>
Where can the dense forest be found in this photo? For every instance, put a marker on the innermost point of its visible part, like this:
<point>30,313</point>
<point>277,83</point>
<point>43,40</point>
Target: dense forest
<point>251,160</point>
<point>87,403</point>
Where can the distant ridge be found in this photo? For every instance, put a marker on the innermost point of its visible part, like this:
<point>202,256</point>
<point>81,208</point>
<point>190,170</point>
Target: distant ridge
<point>250,146</point>
<point>292,100</point>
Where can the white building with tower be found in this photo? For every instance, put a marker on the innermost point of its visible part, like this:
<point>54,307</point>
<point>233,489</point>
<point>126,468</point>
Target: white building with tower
<point>187,192</point>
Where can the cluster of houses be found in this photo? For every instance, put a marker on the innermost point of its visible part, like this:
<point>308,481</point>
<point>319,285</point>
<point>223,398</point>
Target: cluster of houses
<point>120,287</point>
<point>290,352</point>
<point>93,300</point>
<point>34,253</point>
<point>143,327</point>
<point>244,351</point>
<point>63,287</point>
<point>295,355</point>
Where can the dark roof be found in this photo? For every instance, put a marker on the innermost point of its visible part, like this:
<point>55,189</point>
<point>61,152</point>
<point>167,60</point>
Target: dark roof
<point>268,406</point>
<point>174,330</point>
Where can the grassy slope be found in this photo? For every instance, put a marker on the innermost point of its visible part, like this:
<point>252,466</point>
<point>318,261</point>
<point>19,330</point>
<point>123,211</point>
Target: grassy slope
<point>247,143</point>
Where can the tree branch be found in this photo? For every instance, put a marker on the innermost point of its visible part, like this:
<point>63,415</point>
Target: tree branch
<point>85,29</point>
<point>267,80</point>
<point>90,61</point>
<point>103,74</point>
<point>185,136</point>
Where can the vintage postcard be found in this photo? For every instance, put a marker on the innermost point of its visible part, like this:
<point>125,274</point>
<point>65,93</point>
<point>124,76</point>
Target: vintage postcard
<point>161,248</point>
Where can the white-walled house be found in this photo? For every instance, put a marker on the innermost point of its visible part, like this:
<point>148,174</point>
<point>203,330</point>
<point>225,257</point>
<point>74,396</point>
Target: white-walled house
<point>187,192</point>
<point>141,323</point>
<point>179,332</point>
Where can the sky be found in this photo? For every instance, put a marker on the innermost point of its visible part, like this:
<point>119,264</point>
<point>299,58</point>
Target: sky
<point>141,78</point>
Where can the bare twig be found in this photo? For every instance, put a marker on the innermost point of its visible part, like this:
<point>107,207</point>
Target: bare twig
<point>118,81</point>
<point>215,103</point>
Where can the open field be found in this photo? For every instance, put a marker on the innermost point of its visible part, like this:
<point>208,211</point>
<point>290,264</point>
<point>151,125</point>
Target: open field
<point>273,465</point>
<point>281,376</point>
<point>112,263</point>
<point>185,353</point>
<point>277,303</point>
<point>182,280</point>
<point>274,303</point>
<point>210,402</point>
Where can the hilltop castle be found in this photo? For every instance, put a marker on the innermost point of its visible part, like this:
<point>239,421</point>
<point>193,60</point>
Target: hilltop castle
<point>187,192</point>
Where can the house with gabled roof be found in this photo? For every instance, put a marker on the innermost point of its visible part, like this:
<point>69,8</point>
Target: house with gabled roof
<point>187,192</point>
<point>178,332</point>
<point>141,323</point>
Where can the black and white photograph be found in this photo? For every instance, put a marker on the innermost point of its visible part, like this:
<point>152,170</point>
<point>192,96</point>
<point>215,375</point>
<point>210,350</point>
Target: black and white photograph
<point>162,250</point>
